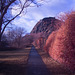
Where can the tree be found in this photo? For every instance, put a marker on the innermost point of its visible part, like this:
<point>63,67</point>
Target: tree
<point>28,39</point>
<point>6,6</point>
<point>38,39</point>
<point>4,42</point>
<point>15,37</point>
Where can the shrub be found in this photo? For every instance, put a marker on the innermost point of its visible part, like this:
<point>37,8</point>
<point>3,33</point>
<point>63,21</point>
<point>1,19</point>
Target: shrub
<point>61,44</point>
<point>50,41</point>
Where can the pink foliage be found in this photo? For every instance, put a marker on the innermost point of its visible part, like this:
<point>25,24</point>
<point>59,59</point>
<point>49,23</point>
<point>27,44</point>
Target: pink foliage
<point>50,41</point>
<point>39,39</point>
<point>61,43</point>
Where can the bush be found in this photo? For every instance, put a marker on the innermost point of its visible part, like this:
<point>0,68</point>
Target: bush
<point>50,41</point>
<point>61,44</point>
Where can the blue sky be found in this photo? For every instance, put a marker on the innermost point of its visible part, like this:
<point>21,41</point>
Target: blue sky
<point>49,8</point>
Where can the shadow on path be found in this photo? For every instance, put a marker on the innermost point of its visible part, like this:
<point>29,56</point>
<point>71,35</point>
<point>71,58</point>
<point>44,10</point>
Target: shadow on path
<point>35,64</point>
<point>12,69</point>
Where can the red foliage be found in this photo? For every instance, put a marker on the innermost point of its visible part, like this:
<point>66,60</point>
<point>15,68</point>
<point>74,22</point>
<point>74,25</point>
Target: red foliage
<point>61,44</point>
<point>50,41</point>
<point>39,40</point>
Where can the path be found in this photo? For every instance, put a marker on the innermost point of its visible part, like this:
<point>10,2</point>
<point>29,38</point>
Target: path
<point>35,64</point>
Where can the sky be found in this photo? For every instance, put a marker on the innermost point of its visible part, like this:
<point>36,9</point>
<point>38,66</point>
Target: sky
<point>48,8</point>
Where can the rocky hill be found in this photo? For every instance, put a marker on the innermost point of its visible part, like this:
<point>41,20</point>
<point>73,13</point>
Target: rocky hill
<point>46,25</point>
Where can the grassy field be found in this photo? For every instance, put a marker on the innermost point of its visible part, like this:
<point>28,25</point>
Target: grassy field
<point>54,67</point>
<point>14,62</point>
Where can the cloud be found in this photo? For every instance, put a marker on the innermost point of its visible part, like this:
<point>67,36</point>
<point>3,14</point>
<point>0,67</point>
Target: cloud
<point>15,10</point>
<point>46,4</point>
<point>28,24</point>
<point>49,8</point>
<point>61,14</point>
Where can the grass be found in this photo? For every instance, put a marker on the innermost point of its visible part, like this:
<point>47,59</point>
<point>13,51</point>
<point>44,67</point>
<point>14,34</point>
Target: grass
<point>14,62</point>
<point>54,67</point>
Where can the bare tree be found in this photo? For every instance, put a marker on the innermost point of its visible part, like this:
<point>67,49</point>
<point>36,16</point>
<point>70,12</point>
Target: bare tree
<point>39,39</point>
<point>4,42</point>
<point>28,39</point>
<point>15,37</point>
<point>6,6</point>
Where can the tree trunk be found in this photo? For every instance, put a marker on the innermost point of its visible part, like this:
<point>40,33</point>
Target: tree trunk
<point>0,41</point>
<point>0,35</point>
<point>0,30</point>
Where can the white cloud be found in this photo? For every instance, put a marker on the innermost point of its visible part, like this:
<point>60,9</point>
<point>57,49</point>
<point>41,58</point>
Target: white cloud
<point>54,2</point>
<point>15,10</point>
<point>22,22</point>
<point>61,14</point>
<point>34,14</point>
<point>46,3</point>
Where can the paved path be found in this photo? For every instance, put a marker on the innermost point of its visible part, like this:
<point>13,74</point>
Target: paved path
<point>35,64</point>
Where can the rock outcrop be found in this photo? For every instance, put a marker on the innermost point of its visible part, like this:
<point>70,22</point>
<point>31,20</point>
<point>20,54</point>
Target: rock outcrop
<point>46,25</point>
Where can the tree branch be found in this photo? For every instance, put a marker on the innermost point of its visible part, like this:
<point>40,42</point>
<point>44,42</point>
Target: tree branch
<point>14,18</point>
<point>6,8</point>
